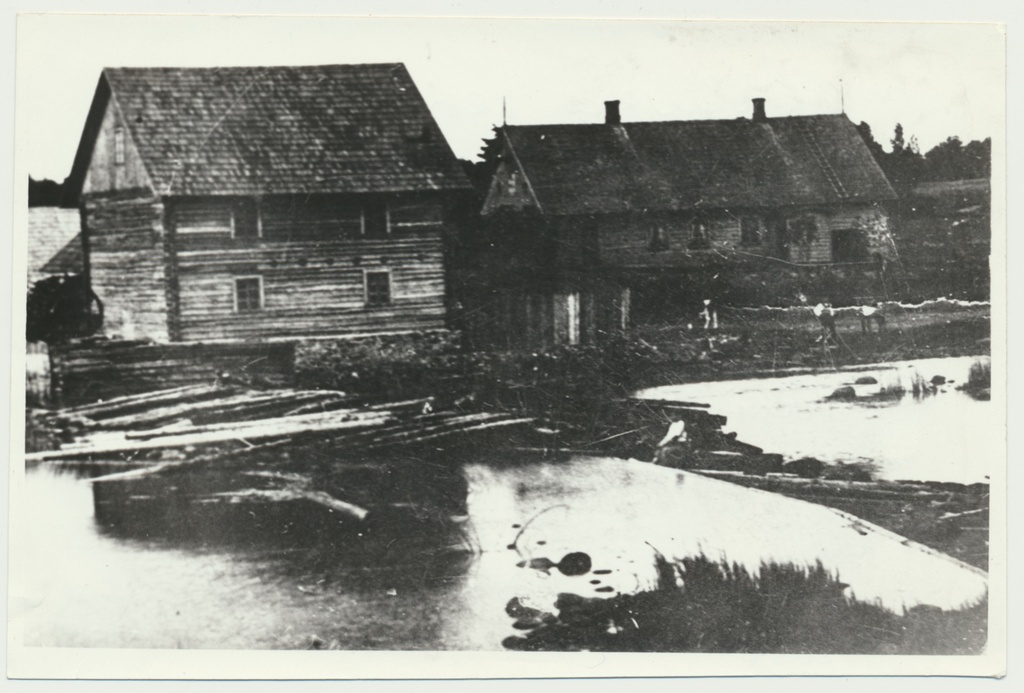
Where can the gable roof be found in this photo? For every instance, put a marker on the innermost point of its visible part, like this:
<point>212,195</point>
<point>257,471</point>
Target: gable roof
<point>267,130</point>
<point>54,243</point>
<point>678,165</point>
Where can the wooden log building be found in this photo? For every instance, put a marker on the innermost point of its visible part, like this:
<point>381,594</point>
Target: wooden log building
<point>264,202</point>
<point>602,212</point>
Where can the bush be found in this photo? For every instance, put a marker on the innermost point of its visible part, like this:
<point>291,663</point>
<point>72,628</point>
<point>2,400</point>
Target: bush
<point>382,366</point>
<point>724,608</point>
<point>434,364</point>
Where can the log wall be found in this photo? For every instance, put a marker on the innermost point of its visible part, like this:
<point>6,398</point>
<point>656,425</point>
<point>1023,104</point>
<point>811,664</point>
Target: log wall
<point>311,260</point>
<point>523,319</point>
<point>127,262</point>
<point>664,240</point>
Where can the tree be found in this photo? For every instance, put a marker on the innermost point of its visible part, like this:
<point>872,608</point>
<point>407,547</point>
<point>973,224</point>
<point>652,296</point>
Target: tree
<point>869,139</point>
<point>44,193</point>
<point>952,160</point>
<point>897,140</point>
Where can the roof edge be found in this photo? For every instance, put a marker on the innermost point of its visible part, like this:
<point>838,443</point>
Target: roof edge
<point>75,180</point>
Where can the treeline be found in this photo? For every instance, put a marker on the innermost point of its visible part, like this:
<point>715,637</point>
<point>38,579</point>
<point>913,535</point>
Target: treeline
<point>905,166</point>
<point>45,193</point>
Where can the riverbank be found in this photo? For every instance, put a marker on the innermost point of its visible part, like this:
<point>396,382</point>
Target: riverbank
<point>767,342</point>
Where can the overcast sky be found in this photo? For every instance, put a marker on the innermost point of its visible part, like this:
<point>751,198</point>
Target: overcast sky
<point>936,79</point>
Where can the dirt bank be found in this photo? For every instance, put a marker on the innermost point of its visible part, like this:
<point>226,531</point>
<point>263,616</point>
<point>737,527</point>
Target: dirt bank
<point>952,518</point>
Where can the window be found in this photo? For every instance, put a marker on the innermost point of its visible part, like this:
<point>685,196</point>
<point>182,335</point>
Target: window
<point>415,217</point>
<point>119,146</point>
<point>375,220</point>
<point>700,234</point>
<point>377,287</point>
<point>248,294</point>
<point>659,240</point>
<point>750,231</point>
<point>202,218</point>
<point>803,230</point>
<point>849,245</point>
<point>246,220</point>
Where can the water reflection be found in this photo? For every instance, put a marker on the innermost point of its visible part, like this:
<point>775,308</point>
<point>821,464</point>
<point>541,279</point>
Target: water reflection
<point>143,565</point>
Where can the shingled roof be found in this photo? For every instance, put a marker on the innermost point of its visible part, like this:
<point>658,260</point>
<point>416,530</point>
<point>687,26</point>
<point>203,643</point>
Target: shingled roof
<point>678,165</point>
<point>54,243</point>
<point>266,130</point>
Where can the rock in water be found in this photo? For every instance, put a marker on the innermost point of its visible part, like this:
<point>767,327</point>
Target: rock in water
<point>843,394</point>
<point>866,380</point>
<point>805,467</point>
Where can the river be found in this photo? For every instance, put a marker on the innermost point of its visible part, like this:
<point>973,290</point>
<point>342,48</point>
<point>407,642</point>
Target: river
<point>186,577</point>
<point>941,437</point>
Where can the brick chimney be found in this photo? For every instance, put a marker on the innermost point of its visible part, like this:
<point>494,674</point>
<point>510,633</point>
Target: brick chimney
<point>611,113</point>
<point>759,115</point>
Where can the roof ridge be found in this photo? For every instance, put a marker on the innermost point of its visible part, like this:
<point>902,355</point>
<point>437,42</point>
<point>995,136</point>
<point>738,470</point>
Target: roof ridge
<point>214,68</point>
<point>682,122</point>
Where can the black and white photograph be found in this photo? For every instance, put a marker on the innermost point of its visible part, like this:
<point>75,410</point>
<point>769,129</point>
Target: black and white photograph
<point>419,347</point>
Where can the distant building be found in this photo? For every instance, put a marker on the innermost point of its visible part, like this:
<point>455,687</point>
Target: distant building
<point>264,202</point>
<point>607,207</point>
<point>54,243</point>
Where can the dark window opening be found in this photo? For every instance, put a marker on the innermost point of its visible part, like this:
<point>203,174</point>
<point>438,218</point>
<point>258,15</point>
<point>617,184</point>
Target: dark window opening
<point>750,231</point>
<point>659,240</point>
<point>246,221</point>
<point>700,235</point>
<point>849,245</point>
<point>803,230</point>
<point>248,294</point>
<point>378,288</point>
<point>375,220</point>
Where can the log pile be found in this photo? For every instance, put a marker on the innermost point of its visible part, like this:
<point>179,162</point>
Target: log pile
<point>85,370</point>
<point>229,456</point>
<point>220,419</point>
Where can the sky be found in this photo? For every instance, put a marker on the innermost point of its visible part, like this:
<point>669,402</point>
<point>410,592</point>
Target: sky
<point>936,79</point>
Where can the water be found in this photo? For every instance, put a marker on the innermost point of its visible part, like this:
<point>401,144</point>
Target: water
<point>944,437</point>
<point>155,565</point>
<point>76,583</point>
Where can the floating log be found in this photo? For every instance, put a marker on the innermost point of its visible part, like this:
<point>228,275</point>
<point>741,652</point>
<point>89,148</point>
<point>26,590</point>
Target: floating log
<point>290,494</point>
<point>243,427</point>
<point>270,407</point>
<point>469,429</point>
<point>340,402</point>
<point>133,399</point>
<point>953,517</point>
<point>668,403</point>
<point>408,404</point>
<point>160,415</point>
<point>191,395</point>
<point>444,422</point>
<point>279,429</point>
<point>140,473</point>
